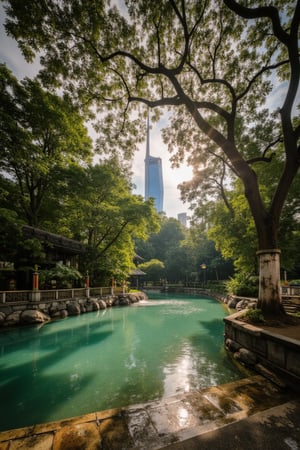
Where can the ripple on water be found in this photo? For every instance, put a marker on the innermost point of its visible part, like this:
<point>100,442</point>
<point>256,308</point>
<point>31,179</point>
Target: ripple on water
<point>98,361</point>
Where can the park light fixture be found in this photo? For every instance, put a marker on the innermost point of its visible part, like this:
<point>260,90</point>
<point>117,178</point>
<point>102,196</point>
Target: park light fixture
<point>203,267</point>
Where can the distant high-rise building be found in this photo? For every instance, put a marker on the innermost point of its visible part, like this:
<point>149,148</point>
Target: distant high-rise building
<point>154,186</point>
<point>182,217</point>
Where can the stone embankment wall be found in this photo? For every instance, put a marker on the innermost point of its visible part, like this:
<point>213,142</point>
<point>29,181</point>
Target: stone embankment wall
<point>269,353</point>
<point>236,303</point>
<point>24,313</point>
<point>291,304</point>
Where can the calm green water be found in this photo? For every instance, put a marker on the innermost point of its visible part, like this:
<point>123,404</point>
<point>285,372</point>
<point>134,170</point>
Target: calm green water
<point>110,359</point>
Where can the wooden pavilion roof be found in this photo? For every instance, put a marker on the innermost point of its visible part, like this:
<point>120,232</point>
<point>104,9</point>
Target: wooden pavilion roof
<point>54,240</point>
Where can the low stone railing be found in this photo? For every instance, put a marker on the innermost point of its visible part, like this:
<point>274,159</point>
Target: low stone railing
<point>36,307</point>
<point>290,291</point>
<point>56,294</point>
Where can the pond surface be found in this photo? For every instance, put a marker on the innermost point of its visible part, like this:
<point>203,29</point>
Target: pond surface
<point>112,358</point>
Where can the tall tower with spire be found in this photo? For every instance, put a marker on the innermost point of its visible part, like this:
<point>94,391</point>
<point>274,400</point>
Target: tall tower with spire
<point>154,186</point>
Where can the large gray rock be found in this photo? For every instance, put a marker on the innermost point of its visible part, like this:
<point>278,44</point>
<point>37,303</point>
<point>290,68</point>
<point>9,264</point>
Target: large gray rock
<point>242,304</point>
<point>13,318</point>
<point>92,305</point>
<point>232,345</point>
<point>55,314</point>
<point>95,305</point>
<point>73,309</point>
<point>232,303</point>
<point>56,307</point>
<point>109,301</point>
<point>124,301</point>
<point>33,316</point>
<point>88,307</point>
<point>82,308</point>
<point>115,301</point>
<point>63,313</point>
<point>246,356</point>
<point>134,298</point>
<point>2,318</point>
<point>102,304</point>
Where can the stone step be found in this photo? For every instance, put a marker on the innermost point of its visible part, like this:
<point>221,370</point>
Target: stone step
<point>156,425</point>
<point>276,428</point>
<point>290,309</point>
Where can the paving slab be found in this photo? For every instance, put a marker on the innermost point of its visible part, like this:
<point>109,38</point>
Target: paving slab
<point>277,428</point>
<point>226,415</point>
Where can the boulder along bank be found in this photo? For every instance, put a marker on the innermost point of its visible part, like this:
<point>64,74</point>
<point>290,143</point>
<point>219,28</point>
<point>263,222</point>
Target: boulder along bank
<point>16,314</point>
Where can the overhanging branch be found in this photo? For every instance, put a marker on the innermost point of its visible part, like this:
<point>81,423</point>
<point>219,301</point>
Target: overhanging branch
<point>264,11</point>
<point>265,158</point>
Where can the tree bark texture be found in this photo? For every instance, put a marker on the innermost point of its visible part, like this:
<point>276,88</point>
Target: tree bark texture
<point>269,295</point>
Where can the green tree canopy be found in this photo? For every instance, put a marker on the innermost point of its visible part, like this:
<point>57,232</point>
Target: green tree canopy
<point>154,269</point>
<point>171,234</point>
<point>100,211</point>
<point>40,133</point>
<point>230,224</point>
<point>182,251</point>
<point>214,61</point>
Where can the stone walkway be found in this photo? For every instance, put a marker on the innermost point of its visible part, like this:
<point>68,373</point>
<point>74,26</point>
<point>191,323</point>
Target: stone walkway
<point>176,422</point>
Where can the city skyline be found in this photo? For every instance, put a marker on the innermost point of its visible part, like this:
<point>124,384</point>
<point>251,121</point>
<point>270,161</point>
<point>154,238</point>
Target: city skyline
<point>173,176</point>
<point>154,185</point>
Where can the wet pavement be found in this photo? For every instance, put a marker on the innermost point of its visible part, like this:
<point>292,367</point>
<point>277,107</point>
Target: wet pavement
<point>252,413</point>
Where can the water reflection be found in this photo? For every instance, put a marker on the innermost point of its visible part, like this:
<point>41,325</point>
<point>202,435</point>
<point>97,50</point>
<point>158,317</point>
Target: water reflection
<point>178,376</point>
<point>111,358</point>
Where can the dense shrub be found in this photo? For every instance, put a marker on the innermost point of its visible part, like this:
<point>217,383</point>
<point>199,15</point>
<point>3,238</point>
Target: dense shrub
<point>242,285</point>
<point>64,277</point>
<point>254,316</point>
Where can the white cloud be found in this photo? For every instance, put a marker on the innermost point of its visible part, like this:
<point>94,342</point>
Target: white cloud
<point>12,56</point>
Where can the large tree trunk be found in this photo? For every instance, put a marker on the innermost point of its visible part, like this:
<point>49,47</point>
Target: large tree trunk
<point>267,224</point>
<point>269,296</point>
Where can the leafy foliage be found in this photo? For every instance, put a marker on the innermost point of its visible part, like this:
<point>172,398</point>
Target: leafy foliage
<point>64,276</point>
<point>214,61</point>
<point>103,214</point>
<point>254,316</point>
<point>243,285</point>
<point>182,251</point>
<point>154,269</point>
<point>40,133</point>
<point>47,181</point>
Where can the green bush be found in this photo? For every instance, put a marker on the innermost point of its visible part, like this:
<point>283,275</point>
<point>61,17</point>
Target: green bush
<point>65,277</point>
<point>254,315</point>
<point>242,285</point>
<point>216,286</point>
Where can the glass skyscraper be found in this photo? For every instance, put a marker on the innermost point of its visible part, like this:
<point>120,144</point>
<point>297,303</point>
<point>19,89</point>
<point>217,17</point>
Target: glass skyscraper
<point>154,186</point>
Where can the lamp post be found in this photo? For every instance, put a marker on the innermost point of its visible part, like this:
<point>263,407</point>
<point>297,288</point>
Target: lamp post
<point>203,267</point>
<point>87,280</point>
<point>35,295</point>
<point>35,279</point>
<point>112,286</point>
<point>87,285</point>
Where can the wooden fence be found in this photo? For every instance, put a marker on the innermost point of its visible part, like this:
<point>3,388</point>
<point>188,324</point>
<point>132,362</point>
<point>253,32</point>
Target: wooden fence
<point>68,294</point>
<point>56,294</point>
